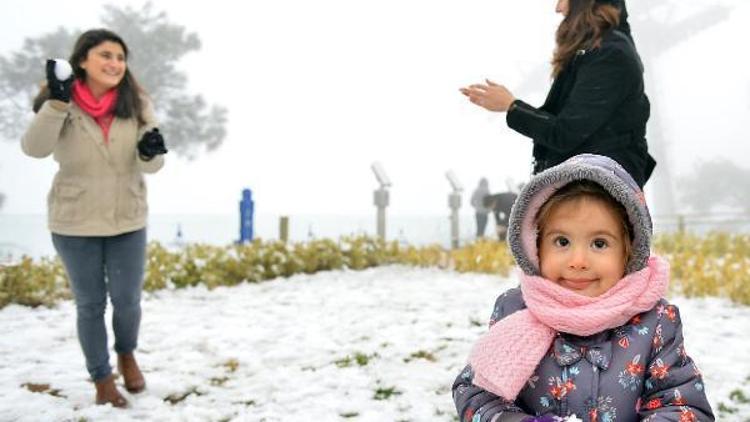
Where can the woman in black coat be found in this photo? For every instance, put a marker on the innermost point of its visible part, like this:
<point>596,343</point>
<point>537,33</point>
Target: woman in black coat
<point>597,102</point>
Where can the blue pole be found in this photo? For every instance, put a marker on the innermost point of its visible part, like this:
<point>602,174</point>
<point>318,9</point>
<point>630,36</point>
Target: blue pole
<point>247,208</point>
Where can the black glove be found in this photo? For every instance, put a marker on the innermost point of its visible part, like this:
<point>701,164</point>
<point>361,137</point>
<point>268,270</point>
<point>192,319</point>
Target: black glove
<point>151,144</point>
<point>58,90</point>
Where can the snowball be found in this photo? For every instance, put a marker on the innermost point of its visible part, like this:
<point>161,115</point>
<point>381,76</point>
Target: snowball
<point>62,69</point>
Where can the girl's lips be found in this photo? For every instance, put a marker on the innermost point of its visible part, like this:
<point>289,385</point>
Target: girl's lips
<point>576,283</point>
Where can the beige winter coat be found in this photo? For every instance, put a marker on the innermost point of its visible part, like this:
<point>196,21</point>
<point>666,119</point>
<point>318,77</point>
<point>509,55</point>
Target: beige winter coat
<point>99,188</point>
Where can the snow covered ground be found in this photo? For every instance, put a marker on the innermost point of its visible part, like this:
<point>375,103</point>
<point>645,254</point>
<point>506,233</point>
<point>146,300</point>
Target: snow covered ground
<point>378,345</point>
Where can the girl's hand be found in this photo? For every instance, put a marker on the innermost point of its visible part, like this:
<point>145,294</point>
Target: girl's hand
<point>493,97</point>
<point>552,418</point>
<point>545,418</point>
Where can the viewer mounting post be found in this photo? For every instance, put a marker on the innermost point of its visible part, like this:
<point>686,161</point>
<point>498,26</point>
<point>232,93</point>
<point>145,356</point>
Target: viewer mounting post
<point>454,202</point>
<point>381,196</point>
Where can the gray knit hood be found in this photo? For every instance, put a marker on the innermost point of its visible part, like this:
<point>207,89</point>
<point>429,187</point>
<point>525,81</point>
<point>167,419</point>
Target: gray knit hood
<point>522,229</point>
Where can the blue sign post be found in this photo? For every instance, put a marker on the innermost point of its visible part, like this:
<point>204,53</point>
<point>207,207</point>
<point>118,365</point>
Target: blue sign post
<point>247,208</point>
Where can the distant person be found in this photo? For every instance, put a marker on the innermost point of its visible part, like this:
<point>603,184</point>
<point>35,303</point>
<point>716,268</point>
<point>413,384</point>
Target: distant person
<point>588,334</point>
<point>100,127</point>
<point>480,209</point>
<point>597,102</point>
<point>501,204</point>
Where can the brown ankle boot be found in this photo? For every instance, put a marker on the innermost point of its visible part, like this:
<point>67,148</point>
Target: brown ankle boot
<point>128,367</point>
<point>106,392</point>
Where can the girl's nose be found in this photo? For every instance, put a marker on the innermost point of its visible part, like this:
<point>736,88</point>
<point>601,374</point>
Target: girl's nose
<point>578,259</point>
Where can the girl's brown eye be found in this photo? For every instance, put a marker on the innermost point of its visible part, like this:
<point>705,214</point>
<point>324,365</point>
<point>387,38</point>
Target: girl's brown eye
<point>561,241</point>
<point>599,244</point>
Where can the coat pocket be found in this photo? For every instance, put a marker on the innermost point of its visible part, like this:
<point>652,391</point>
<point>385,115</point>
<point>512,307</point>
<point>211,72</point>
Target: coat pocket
<point>66,204</point>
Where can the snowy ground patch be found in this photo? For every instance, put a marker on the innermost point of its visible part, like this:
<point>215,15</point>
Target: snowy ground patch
<point>377,345</point>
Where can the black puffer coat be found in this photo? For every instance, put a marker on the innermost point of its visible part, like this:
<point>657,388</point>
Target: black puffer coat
<point>596,105</point>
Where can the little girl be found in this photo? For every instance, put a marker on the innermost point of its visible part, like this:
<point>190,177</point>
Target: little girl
<point>588,335</point>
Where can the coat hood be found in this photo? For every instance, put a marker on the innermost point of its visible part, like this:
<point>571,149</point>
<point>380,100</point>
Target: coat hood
<point>522,228</point>
<point>624,26</point>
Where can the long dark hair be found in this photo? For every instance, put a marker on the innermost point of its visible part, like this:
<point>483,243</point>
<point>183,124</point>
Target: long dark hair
<point>582,28</point>
<point>129,92</point>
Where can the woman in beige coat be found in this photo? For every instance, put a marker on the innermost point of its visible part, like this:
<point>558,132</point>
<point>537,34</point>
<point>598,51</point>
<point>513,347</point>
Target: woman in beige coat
<point>99,126</point>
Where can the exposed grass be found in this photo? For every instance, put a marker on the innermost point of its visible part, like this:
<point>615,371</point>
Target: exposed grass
<point>360,359</point>
<point>421,354</point>
<point>385,393</point>
<point>42,388</point>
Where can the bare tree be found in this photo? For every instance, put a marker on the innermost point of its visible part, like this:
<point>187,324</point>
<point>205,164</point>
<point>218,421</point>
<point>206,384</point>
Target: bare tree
<point>156,45</point>
<point>715,184</point>
<point>658,37</point>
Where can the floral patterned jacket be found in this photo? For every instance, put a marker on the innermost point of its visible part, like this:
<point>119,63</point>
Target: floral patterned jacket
<point>636,372</point>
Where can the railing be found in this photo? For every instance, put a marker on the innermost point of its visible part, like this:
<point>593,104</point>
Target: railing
<point>703,222</point>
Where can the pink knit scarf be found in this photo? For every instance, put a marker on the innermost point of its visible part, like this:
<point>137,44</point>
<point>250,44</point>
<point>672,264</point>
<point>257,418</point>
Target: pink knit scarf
<point>507,355</point>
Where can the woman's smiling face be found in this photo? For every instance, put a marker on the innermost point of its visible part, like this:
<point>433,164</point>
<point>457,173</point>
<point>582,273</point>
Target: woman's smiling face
<point>105,66</point>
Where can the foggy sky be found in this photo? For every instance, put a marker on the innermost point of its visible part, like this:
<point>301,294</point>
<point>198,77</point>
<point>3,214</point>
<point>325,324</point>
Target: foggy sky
<point>317,91</point>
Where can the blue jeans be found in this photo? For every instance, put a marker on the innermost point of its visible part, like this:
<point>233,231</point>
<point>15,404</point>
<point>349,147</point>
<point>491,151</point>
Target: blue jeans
<point>97,265</point>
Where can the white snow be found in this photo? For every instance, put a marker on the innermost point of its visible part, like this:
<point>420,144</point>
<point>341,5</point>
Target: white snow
<point>287,350</point>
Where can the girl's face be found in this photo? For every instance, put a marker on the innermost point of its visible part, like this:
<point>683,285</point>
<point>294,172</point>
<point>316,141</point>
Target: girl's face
<point>582,246</point>
<point>562,7</point>
<point>105,66</point>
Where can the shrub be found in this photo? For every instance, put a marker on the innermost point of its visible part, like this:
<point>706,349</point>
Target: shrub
<point>717,264</point>
<point>33,284</point>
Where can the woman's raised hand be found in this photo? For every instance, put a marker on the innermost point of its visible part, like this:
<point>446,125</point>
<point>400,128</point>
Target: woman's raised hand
<point>492,96</point>
<point>59,79</point>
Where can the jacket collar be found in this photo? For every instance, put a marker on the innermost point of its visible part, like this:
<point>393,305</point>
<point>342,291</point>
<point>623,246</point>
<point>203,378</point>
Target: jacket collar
<point>566,353</point>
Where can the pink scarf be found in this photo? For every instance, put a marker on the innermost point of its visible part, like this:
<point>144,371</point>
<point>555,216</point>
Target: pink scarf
<point>101,110</point>
<point>507,355</point>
